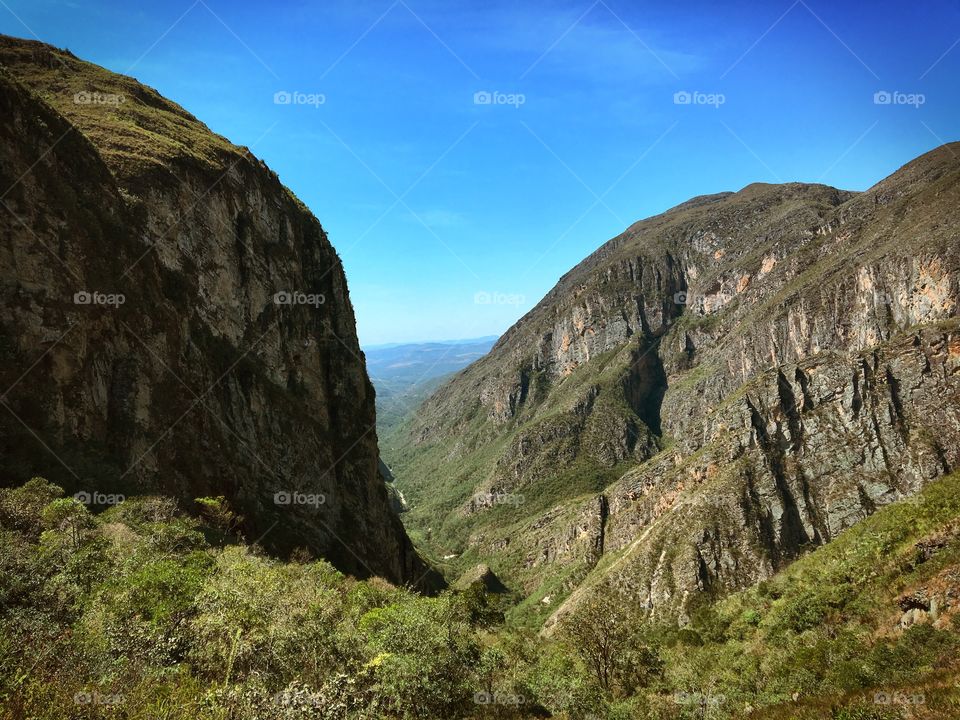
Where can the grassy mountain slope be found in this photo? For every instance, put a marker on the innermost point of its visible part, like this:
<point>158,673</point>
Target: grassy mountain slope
<point>143,613</point>
<point>718,389</point>
<point>872,616</point>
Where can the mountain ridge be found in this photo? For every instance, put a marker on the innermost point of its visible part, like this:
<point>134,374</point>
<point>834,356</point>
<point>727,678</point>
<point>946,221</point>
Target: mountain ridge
<point>196,380</point>
<point>678,313</point>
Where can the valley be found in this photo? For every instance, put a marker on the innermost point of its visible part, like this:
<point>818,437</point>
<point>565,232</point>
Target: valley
<point>712,473</point>
<point>405,374</point>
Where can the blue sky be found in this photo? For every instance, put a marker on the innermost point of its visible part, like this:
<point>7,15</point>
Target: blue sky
<point>453,216</point>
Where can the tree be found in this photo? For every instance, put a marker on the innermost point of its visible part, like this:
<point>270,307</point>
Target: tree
<point>424,654</point>
<point>22,508</point>
<point>609,640</point>
<point>70,517</point>
<point>217,512</point>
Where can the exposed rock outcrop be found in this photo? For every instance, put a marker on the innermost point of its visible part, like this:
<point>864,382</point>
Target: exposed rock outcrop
<point>175,321</point>
<point>764,369</point>
<point>483,576</point>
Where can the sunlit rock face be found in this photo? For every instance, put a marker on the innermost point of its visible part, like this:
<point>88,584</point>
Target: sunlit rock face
<point>717,390</point>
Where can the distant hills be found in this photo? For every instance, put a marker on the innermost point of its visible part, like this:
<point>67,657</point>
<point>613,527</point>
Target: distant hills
<point>404,374</point>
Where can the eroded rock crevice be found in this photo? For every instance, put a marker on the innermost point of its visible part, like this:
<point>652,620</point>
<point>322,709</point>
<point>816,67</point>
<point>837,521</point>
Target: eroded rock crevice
<point>645,385</point>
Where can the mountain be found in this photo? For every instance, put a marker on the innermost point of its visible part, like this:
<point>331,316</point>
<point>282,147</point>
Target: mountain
<point>174,321</point>
<point>406,374</point>
<point>413,362</point>
<point>707,397</point>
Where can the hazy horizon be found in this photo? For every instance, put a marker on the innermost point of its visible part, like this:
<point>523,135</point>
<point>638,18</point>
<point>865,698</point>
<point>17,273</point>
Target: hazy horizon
<point>440,341</point>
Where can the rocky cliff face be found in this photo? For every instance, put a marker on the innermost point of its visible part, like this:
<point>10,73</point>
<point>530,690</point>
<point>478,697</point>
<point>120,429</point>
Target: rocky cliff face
<point>175,321</point>
<point>738,380</point>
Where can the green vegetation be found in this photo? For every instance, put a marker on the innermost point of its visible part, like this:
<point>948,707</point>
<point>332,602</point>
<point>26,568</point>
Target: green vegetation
<point>397,399</point>
<point>143,612</point>
<point>136,129</point>
<point>565,445</point>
